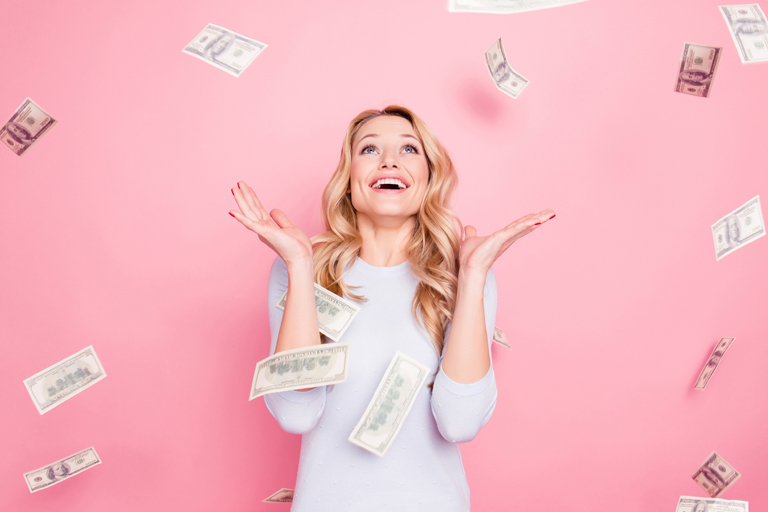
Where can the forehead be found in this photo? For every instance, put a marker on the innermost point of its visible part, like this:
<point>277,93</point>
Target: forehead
<point>386,126</point>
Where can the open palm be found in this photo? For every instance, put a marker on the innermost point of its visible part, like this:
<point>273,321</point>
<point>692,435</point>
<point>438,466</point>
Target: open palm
<point>478,253</point>
<point>273,228</point>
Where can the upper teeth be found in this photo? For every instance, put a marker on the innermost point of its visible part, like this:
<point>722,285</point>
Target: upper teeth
<point>389,181</point>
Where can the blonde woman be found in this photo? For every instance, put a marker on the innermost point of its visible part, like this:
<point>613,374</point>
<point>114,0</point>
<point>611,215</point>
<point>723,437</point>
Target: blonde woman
<point>391,244</point>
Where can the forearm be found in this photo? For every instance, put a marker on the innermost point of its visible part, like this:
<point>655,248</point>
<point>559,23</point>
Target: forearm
<point>298,328</point>
<point>466,358</point>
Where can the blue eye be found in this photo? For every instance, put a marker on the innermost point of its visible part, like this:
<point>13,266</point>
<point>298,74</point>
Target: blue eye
<point>366,148</point>
<point>412,148</point>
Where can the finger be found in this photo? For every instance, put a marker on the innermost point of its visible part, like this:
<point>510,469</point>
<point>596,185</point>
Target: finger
<point>242,202</point>
<point>280,218</point>
<point>250,197</point>
<point>469,231</point>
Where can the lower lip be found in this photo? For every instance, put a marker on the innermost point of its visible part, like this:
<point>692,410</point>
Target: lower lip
<point>389,191</point>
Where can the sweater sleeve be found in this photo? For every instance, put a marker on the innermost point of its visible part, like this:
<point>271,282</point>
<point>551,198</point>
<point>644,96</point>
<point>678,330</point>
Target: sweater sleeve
<point>461,410</point>
<point>297,412</point>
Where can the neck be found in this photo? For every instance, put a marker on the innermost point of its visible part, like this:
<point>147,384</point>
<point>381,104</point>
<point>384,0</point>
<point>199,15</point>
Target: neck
<point>384,240</point>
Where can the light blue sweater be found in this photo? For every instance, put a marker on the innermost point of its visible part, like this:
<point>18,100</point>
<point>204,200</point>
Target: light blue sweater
<point>422,470</point>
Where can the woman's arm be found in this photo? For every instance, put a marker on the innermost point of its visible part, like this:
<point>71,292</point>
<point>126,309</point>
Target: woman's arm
<point>467,357</point>
<point>298,328</point>
<point>296,412</point>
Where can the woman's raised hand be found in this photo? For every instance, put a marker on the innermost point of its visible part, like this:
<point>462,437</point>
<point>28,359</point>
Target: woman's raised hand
<point>478,253</point>
<point>287,240</point>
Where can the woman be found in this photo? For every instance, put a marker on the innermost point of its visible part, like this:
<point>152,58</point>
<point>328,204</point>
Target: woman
<point>422,291</point>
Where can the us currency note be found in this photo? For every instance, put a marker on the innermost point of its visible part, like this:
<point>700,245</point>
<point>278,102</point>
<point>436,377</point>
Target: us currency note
<point>507,80</point>
<point>318,365</point>
<point>25,127</point>
<point>334,314</point>
<point>698,67</point>
<point>749,30</point>
<point>742,226</point>
<point>715,475</point>
<point>282,496</point>
<point>499,337</point>
<point>60,382</point>
<point>692,504</point>
<point>714,360</point>
<point>390,405</point>
<point>62,469</point>
<point>227,50</point>
<point>505,6</point>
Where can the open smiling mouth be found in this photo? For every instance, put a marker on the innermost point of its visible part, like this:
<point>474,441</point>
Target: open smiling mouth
<point>389,184</point>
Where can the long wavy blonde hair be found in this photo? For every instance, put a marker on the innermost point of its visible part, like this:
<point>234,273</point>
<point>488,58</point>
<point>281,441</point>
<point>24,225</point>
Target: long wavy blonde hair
<point>433,248</point>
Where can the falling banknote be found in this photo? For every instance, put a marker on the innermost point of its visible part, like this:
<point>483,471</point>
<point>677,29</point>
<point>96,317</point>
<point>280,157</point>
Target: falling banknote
<point>334,314</point>
<point>65,379</point>
<point>390,405</point>
<point>692,504</point>
<point>498,337</point>
<point>282,496</point>
<point>507,80</point>
<point>749,30</point>
<point>715,475</point>
<point>505,6</point>
<point>318,365</point>
<point>225,49</point>
<point>61,470</point>
<point>25,127</point>
<point>714,360</point>
<point>742,226</point>
<point>698,67</point>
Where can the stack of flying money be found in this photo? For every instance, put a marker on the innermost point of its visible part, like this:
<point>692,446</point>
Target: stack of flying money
<point>507,80</point>
<point>25,127</point>
<point>224,49</point>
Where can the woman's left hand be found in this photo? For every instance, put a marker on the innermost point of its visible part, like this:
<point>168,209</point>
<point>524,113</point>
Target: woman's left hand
<point>478,253</point>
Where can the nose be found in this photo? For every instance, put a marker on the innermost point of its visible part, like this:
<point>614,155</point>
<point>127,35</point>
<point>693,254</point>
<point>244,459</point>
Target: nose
<point>388,161</point>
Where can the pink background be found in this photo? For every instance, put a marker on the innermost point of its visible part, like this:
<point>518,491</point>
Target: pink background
<point>114,233</point>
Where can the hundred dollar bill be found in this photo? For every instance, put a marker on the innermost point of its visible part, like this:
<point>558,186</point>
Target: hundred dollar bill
<point>505,6</point>
<point>498,337</point>
<point>282,496</point>
<point>507,80</point>
<point>714,360</point>
<point>390,405</point>
<point>698,67</point>
<point>334,314</point>
<point>692,504</point>
<point>749,30</point>
<point>61,470</point>
<point>25,127</point>
<point>715,475</point>
<point>318,365</point>
<point>65,379</point>
<point>225,49</point>
<point>742,226</point>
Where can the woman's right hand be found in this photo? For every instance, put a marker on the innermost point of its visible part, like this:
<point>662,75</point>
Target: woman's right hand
<point>287,240</point>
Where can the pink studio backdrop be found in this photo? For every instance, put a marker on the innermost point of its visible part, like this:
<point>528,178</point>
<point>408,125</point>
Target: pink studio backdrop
<point>114,233</point>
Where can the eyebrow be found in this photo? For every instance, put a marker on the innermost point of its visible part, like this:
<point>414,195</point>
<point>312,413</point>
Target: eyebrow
<point>377,135</point>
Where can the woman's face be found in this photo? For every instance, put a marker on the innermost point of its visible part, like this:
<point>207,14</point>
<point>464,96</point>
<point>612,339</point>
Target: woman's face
<point>388,147</point>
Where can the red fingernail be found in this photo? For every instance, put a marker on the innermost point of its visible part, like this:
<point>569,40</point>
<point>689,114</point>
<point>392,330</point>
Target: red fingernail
<point>537,224</point>
<point>232,190</point>
<point>552,217</point>
<point>238,184</point>
<point>232,214</point>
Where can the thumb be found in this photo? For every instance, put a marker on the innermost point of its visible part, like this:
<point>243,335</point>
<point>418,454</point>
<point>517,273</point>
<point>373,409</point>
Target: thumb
<point>469,231</point>
<point>280,218</point>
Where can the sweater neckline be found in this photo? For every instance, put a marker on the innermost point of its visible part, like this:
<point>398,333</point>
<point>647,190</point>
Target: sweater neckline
<point>402,268</point>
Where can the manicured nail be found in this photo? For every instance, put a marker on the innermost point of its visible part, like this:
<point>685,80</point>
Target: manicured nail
<point>537,224</point>
<point>552,217</point>
<point>232,190</point>
<point>238,184</point>
<point>232,214</point>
